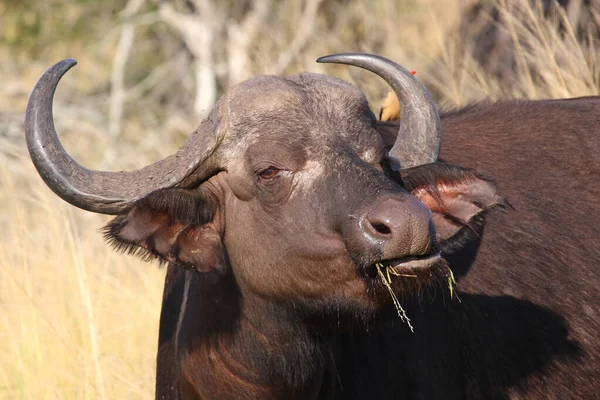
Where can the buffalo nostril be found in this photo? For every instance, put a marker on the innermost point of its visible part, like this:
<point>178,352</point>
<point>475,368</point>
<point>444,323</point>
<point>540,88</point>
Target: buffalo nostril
<point>381,228</point>
<point>396,227</point>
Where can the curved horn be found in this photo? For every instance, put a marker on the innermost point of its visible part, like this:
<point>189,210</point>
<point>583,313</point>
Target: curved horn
<point>420,134</point>
<point>107,192</point>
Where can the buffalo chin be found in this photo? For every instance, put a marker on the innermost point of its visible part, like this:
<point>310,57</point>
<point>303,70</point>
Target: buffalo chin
<point>377,307</point>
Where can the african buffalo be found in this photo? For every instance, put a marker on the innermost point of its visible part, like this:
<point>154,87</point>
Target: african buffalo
<point>282,209</point>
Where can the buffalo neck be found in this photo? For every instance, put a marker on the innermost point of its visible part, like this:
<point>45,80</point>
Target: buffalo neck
<point>236,345</point>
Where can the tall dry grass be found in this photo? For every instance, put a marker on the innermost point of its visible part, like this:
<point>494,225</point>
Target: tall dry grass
<point>551,58</point>
<point>77,320</point>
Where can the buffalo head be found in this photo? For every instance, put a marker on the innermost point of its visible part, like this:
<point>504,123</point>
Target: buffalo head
<point>288,186</point>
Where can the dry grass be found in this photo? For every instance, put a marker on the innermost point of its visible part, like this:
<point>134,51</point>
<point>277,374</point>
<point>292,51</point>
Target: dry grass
<point>77,320</point>
<point>80,321</point>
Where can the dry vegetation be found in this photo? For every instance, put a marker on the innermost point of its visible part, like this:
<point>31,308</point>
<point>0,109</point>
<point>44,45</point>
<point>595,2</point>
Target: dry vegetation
<point>79,321</point>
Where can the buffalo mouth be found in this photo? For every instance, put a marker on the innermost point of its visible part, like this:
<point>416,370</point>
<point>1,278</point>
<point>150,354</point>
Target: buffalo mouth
<point>409,274</point>
<point>413,265</point>
<point>421,266</point>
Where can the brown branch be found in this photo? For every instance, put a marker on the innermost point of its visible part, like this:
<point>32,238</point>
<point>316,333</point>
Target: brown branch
<point>117,95</point>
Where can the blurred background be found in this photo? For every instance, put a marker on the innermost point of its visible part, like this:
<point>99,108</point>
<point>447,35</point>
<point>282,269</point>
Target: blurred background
<point>79,321</point>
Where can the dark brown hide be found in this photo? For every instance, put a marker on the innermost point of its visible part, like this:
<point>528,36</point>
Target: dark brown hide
<point>527,323</point>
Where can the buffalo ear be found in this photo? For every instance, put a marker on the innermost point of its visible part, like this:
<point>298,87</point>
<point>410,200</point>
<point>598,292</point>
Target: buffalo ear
<point>173,225</point>
<point>457,197</point>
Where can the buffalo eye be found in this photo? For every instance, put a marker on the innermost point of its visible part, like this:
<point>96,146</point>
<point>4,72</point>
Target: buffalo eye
<point>268,174</point>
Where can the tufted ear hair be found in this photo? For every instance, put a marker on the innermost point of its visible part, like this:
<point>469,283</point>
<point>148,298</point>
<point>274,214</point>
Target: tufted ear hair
<point>173,225</point>
<point>457,197</point>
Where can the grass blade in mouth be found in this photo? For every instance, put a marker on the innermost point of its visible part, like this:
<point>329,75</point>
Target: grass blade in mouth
<point>386,282</point>
<point>391,270</point>
<point>386,279</point>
